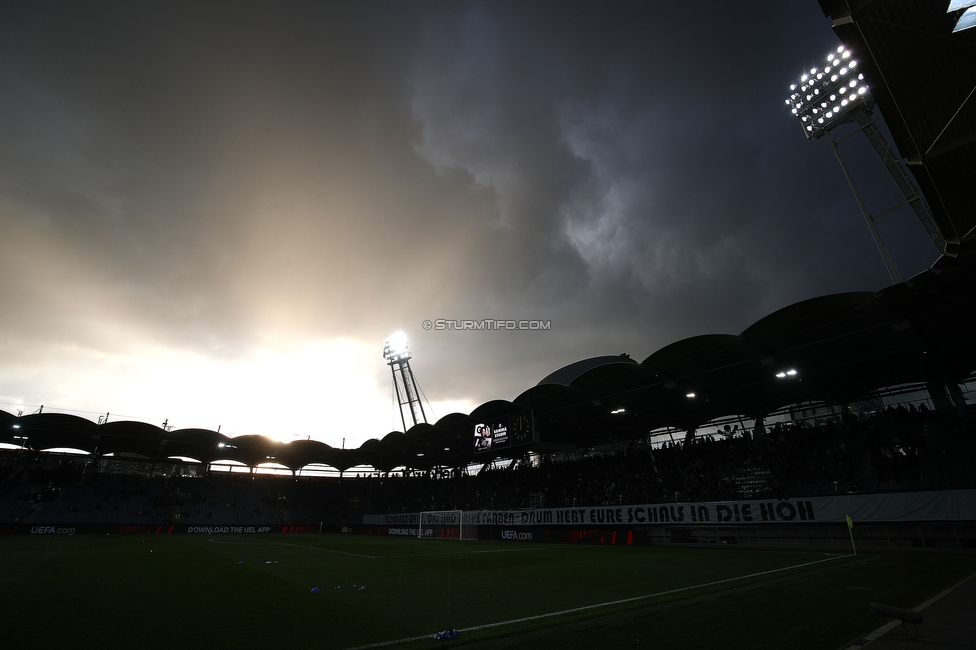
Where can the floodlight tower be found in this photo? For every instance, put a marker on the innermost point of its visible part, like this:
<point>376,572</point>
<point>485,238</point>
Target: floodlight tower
<point>837,94</point>
<point>397,355</point>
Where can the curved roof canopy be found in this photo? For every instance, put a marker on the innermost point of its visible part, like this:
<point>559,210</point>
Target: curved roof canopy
<point>834,348</point>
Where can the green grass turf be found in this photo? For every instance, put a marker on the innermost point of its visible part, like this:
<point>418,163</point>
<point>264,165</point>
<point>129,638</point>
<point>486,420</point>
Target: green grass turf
<point>189,591</point>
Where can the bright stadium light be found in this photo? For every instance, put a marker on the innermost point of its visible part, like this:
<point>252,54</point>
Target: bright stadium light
<point>396,347</point>
<point>823,97</point>
<point>968,17</point>
<point>837,94</point>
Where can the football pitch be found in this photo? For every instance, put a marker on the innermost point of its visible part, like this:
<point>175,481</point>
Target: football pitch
<point>347,591</point>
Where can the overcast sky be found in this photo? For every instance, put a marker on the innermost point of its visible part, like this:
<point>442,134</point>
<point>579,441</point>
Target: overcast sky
<point>215,213</point>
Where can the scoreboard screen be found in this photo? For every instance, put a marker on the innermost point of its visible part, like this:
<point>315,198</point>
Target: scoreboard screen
<point>502,433</point>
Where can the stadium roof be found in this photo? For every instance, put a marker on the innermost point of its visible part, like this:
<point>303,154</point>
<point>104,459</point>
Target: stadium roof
<point>834,349</point>
<point>841,348</point>
<point>922,77</point>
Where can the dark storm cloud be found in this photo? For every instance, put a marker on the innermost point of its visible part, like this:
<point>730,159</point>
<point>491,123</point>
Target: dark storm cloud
<point>646,171</point>
<point>211,177</point>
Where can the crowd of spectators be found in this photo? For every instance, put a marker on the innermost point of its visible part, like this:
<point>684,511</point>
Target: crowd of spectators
<point>894,449</point>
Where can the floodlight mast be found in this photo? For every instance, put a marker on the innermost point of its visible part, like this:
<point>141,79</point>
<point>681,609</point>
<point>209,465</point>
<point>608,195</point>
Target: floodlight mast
<point>837,94</point>
<point>397,355</point>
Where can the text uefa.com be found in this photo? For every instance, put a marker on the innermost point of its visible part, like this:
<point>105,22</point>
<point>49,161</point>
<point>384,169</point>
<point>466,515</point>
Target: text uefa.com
<point>487,324</point>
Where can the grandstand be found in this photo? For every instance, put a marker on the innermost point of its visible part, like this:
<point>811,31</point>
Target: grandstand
<point>836,425</point>
<point>865,394</point>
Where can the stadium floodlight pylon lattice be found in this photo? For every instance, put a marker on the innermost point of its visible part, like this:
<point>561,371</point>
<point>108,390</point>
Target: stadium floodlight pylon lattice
<point>836,94</point>
<point>450,524</point>
<point>396,351</point>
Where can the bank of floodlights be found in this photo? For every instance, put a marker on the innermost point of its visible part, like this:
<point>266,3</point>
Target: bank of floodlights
<point>824,97</point>
<point>968,17</point>
<point>396,348</point>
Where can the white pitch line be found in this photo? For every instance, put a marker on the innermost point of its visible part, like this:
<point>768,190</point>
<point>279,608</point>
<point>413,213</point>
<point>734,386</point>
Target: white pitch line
<point>382,644</point>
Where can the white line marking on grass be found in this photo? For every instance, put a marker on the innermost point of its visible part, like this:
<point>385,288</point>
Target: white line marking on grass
<point>598,605</point>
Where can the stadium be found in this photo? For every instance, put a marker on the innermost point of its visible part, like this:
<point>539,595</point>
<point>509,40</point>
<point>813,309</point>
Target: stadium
<point>754,489</point>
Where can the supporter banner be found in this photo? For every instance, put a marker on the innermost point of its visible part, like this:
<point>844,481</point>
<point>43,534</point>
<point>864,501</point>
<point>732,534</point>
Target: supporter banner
<point>943,505</point>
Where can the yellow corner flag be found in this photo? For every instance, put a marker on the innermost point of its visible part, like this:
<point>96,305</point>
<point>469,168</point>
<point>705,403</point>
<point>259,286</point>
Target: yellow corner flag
<point>850,530</point>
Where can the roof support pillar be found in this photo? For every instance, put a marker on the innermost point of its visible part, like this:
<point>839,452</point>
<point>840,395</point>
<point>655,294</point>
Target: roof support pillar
<point>946,395</point>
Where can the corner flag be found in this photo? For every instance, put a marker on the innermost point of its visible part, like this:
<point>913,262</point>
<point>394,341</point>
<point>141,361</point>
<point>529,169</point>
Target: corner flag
<point>850,529</point>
